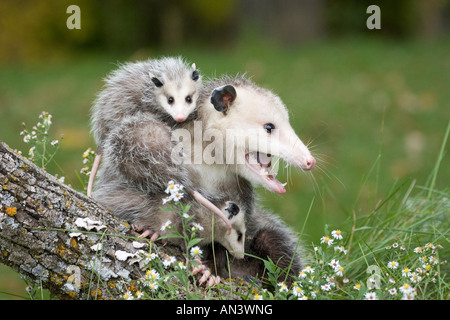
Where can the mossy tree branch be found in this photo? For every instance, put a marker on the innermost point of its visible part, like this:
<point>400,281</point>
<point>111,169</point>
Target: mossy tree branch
<point>40,224</point>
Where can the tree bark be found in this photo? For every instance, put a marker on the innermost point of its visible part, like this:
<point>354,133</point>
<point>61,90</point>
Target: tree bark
<point>46,236</point>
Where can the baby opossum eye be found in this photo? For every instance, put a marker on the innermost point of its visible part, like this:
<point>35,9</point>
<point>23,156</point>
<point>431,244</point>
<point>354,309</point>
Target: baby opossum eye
<point>269,127</point>
<point>170,100</point>
<point>188,99</point>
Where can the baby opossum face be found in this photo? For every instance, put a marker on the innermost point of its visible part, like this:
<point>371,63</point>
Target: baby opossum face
<point>178,97</point>
<point>235,241</point>
<point>257,121</point>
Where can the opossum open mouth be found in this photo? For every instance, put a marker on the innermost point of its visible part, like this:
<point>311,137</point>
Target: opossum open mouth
<point>260,163</point>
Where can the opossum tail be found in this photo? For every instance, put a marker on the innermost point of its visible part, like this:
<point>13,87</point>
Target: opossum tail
<point>95,166</point>
<point>212,207</point>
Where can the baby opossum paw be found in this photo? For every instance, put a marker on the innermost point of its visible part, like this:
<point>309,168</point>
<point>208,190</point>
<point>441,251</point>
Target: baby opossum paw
<point>146,232</point>
<point>207,278</point>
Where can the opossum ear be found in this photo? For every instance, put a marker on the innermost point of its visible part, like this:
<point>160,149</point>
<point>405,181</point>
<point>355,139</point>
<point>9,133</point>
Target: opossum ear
<point>195,75</point>
<point>157,83</point>
<point>233,209</point>
<point>222,98</point>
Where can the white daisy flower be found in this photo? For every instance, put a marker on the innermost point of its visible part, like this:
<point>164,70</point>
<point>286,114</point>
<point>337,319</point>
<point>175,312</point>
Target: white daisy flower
<point>196,251</point>
<point>168,261</point>
<point>406,272</point>
<point>392,265</point>
<point>370,296</point>
<point>327,240</point>
<point>297,291</point>
<point>406,289</point>
<point>283,287</point>
<point>308,269</point>
<point>326,287</point>
<point>197,226</point>
<point>128,296</point>
<point>415,278</point>
<point>408,296</point>
<point>334,264</point>
<point>337,234</point>
<point>165,225</point>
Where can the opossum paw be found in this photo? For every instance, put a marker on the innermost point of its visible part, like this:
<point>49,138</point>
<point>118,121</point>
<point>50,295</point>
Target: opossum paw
<point>146,232</point>
<point>207,278</point>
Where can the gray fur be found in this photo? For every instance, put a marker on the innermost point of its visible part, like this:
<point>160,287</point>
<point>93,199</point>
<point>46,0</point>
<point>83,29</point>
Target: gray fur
<point>143,210</point>
<point>137,153</point>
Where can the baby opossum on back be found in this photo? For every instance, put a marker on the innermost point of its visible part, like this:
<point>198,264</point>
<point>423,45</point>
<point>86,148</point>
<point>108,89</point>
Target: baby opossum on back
<point>166,88</point>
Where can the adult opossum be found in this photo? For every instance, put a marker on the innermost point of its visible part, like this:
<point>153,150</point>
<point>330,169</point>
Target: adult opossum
<point>253,124</point>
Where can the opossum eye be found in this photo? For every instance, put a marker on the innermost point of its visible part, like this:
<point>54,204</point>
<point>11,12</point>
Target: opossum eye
<point>269,127</point>
<point>170,100</point>
<point>188,99</point>
<point>239,236</point>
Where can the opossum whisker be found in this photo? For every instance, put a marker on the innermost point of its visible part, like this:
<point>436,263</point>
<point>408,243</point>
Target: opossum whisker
<point>315,184</point>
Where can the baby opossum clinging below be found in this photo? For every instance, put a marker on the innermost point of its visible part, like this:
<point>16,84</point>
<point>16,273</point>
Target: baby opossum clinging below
<point>144,210</point>
<point>163,92</point>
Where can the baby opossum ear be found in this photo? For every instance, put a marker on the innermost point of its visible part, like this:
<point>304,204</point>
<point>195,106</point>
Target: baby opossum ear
<point>222,98</point>
<point>195,74</point>
<point>233,209</point>
<point>156,81</point>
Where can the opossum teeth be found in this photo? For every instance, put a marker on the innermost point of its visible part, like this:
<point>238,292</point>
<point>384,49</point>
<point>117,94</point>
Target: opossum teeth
<point>284,184</point>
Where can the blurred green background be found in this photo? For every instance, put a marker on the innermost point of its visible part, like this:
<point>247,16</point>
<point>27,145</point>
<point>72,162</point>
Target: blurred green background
<point>360,97</point>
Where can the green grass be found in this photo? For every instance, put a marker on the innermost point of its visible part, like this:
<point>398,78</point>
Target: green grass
<point>375,114</point>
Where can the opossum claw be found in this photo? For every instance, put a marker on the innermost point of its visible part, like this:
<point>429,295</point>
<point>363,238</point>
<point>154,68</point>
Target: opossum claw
<point>154,237</point>
<point>207,277</point>
<point>212,207</point>
<point>146,234</point>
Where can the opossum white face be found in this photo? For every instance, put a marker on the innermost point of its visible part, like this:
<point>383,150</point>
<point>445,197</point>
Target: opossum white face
<point>258,123</point>
<point>233,242</point>
<point>178,97</point>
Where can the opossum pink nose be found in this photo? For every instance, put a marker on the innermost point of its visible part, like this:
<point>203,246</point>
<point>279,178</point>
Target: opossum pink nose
<point>180,118</point>
<point>310,163</point>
